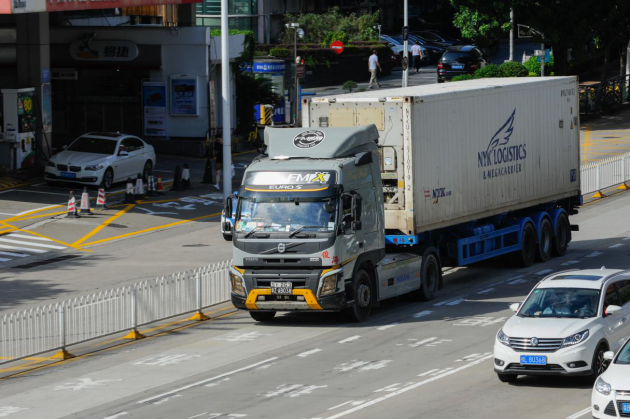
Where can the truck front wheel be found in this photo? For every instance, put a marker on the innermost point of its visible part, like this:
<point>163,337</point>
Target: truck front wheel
<point>262,316</point>
<point>525,256</point>
<point>363,297</point>
<point>430,276</point>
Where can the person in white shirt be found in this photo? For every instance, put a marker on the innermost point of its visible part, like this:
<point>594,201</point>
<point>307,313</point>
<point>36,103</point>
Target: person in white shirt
<point>416,54</point>
<point>373,67</point>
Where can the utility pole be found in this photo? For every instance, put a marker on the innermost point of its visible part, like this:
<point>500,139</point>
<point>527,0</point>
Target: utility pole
<point>226,102</point>
<point>511,34</point>
<point>542,59</point>
<point>405,80</point>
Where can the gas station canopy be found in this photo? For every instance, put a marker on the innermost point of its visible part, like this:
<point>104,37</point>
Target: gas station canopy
<point>36,6</point>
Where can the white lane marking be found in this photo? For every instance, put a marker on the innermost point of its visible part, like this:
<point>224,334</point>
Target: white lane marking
<point>455,302</point>
<point>242,337</point>
<point>164,360</point>
<point>149,212</point>
<point>393,387</point>
<point>216,383</point>
<point>571,262</point>
<point>438,342</point>
<point>198,383</point>
<point>9,410</point>
<point>48,246</point>
<point>39,209</point>
<point>517,281</point>
<point>199,415</point>
<point>307,353</point>
<point>480,321</point>
<point>4,260</point>
<point>117,415</point>
<point>473,357</point>
<point>433,373</point>
<point>83,384</point>
<point>594,254</point>
<point>362,365</point>
<point>487,290</point>
<point>544,272</point>
<point>627,238</point>
<point>375,365</point>
<point>165,399</point>
<point>419,343</point>
<point>350,339</point>
<point>292,390</point>
<point>422,314</point>
<point>22,249</point>
<point>389,326</point>
<point>350,402</point>
<point>461,297</point>
<point>427,373</point>
<point>405,389</point>
<point>264,367</point>
<point>24,236</point>
<point>580,413</point>
<point>616,245</point>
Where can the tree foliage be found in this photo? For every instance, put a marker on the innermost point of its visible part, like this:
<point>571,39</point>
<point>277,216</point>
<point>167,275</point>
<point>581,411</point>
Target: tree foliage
<point>513,69</point>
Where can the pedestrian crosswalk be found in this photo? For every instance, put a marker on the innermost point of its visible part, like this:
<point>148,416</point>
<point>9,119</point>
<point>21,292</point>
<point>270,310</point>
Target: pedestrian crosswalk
<point>16,246</point>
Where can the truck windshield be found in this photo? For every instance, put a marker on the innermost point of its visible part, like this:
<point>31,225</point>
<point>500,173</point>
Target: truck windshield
<point>561,302</point>
<point>285,214</point>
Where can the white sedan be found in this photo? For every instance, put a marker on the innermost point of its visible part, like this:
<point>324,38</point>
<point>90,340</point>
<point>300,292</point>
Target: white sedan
<point>101,158</point>
<point>611,393</point>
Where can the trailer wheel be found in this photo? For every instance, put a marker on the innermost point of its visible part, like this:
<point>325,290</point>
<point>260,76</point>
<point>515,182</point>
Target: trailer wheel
<point>546,241</point>
<point>262,316</point>
<point>561,239</point>
<point>525,257</point>
<point>430,276</point>
<point>363,297</point>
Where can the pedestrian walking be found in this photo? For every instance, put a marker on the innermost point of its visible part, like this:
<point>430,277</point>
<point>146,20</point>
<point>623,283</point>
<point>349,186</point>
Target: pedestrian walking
<point>218,157</point>
<point>416,54</point>
<point>373,67</point>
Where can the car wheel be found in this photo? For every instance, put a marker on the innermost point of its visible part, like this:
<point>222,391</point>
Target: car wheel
<point>108,179</point>
<point>507,378</point>
<point>545,242</point>
<point>363,297</point>
<point>525,257</point>
<point>262,316</point>
<point>227,237</point>
<point>598,366</point>
<point>439,80</point>
<point>148,169</point>
<point>561,239</point>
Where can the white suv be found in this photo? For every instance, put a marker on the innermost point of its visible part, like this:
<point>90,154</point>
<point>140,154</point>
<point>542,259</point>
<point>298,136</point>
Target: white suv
<point>566,324</point>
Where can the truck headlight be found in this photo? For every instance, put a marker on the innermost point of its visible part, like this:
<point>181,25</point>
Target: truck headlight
<point>575,339</point>
<point>94,167</point>
<point>602,386</point>
<point>329,284</point>
<point>503,338</point>
<point>237,285</point>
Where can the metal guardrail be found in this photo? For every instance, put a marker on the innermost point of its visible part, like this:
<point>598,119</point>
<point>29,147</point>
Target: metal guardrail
<point>605,173</point>
<point>602,96</point>
<point>57,326</point>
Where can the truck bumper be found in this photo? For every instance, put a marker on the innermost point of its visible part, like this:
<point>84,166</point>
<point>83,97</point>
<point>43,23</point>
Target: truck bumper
<point>299,300</point>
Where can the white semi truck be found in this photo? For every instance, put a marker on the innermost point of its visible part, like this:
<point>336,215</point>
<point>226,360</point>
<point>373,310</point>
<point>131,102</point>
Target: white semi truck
<point>379,190</point>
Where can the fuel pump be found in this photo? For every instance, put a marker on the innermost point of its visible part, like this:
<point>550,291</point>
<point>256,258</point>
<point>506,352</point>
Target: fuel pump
<point>20,123</point>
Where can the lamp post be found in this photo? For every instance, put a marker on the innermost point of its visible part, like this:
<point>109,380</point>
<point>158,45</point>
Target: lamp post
<point>297,32</point>
<point>378,27</point>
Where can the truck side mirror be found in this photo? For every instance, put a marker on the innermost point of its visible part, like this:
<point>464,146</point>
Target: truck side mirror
<point>228,207</point>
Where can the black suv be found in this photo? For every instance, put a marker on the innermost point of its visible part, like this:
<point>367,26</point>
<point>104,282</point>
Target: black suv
<point>460,59</point>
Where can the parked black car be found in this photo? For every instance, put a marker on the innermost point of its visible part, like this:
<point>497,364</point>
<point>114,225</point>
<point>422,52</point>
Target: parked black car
<point>437,38</point>
<point>460,59</point>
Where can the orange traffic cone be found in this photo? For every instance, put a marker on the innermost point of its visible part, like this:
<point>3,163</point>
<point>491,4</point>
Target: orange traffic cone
<point>72,207</point>
<point>85,202</point>
<point>160,187</point>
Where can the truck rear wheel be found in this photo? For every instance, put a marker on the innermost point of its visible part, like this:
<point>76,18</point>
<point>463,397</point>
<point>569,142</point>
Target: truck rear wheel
<point>430,276</point>
<point>262,316</point>
<point>546,241</point>
<point>561,239</point>
<point>363,297</point>
<point>525,257</point>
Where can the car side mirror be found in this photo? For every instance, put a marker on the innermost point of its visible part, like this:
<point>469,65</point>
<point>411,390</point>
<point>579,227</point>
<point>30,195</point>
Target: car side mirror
<point>123,153</point>
<point>609,355</point>
<point>514,307</point>
<point>611,310</point>
<point>227,226</point>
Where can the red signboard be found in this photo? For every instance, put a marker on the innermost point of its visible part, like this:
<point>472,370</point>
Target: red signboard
<point>337,47</point>
<point>36,6</point>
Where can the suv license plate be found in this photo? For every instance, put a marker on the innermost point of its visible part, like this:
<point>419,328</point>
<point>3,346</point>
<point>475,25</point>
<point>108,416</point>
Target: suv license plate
<point>533,360</point>
<point>625,407</point>
<point>458,67</point>
<point>68,175</point>
<point>281,288</point>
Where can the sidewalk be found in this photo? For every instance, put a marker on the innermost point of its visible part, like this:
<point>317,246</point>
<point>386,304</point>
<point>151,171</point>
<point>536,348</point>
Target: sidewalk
<point>605,136</point>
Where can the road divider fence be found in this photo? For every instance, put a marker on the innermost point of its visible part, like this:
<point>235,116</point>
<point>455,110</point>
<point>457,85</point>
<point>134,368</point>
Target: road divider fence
<point>55,327</point>
<point>606,173</point>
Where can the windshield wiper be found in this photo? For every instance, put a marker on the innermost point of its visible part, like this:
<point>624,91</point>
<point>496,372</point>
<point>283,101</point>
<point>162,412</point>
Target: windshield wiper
<point>297,230</point>
<point>252,231</point>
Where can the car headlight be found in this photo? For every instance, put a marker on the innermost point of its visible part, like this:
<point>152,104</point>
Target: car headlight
<point>94,167</point>
<point>602,386</point>
<point>329,285</point>
<point>50,164</point>
<point>503,338</point>
<point>575,339</point>
<point>237,285</point>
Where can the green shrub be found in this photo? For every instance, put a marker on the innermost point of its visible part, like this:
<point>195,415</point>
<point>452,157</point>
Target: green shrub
<point>462,77</point>
<point>279,52</point>
<point>533,66</point>
<point>335,36</point>
<point>261,53</point>
<point>350,85</point>
<point>513,69</point>
<point>491,70</point>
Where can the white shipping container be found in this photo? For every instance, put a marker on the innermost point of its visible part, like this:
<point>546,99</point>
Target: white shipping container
<point>457,152</point>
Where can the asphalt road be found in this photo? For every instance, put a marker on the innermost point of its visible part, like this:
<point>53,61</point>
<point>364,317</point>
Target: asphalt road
<point>605,136</point>
<point>411,359</point>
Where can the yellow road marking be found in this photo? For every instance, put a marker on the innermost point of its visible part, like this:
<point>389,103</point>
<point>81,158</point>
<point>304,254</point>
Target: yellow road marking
<point>40,216</point>
<point>158,202</point>
<point>4,188</point>
<point>216,214</point>
<point>46,237</point>
<point>586,145</point>
<point>21,216</point>
<point>103,224</point>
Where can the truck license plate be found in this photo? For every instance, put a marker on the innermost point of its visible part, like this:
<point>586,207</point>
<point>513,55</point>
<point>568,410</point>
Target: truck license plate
<point>281,288</point>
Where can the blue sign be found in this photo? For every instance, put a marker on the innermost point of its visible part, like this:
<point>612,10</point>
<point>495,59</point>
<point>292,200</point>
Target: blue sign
<point>268,67</point>
<point>245,67</point>
<point>547,56</point>
<point>45,75</point>
<point>501,153</point>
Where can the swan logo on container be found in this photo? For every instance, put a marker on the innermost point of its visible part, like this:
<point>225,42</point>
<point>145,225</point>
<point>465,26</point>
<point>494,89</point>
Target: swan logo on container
<point>501,153</point>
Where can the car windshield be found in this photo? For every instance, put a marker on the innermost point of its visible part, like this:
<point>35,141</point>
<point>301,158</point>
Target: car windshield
<point>624,355</point>
<point>561,302</point>
<point>93,145</point>
<point>285,214</point>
